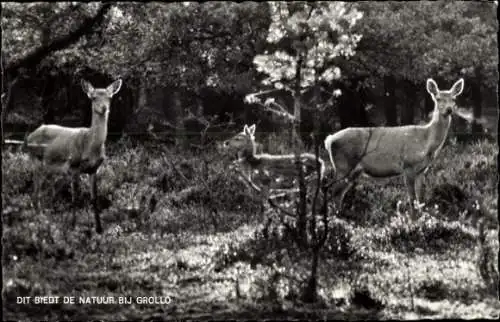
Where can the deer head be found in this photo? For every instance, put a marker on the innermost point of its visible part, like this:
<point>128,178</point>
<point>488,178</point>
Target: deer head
<point>101,97</point>
<point>445,100</point>
<point>243,141</point>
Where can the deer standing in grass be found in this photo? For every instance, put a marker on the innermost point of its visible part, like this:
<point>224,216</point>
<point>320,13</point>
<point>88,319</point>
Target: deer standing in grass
<point>74,150</point>
<point>383,152</point>
<point>274,168</point>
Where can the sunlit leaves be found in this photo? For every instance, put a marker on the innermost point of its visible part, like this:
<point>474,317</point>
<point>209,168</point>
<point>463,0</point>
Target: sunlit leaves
<point>277,29</point>
<point>314,34</point>
<point>279,65</point>
<point>330,74</point>
<point>310,18</point>
<point>251,99</point>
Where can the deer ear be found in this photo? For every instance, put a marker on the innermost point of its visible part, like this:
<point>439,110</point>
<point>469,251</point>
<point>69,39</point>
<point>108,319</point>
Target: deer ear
<point>245,129</point>
<point>432,87</point>
<point>457,88</point>
<point>115,87</point>
<point>251,129</point>
<point>87,87</point>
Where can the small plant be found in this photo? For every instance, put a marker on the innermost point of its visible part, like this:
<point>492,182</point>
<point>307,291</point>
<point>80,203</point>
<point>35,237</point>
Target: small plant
<point>428,233</point>
<point>339,243</point>
<point>486,263</point>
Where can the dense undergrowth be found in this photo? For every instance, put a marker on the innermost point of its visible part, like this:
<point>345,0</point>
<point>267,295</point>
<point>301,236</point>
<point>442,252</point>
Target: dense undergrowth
<point>180,224</point>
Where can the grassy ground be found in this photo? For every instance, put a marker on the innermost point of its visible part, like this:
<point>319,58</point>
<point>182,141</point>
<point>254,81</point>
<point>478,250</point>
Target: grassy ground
<point>180,226</point>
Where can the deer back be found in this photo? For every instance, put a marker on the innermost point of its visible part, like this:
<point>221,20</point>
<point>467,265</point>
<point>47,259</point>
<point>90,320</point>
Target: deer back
<point>66,147</point>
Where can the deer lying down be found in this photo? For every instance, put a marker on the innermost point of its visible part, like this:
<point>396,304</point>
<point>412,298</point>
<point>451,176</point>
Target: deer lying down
<point>383,152</point>
<point>273,170</point>
<point>74,150</point>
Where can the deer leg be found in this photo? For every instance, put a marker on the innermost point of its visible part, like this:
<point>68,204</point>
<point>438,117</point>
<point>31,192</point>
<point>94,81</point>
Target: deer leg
<point>75,190</point>
<point>350,184</point>
<point>37,181</point>
<point>75,187</point>
<point>410,185</point>
<point>419,188</point>
<point>93,182</point>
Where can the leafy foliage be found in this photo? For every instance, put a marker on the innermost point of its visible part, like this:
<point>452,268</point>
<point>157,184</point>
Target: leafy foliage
<point>178,41</point>
<point>312,35</point>
<point>421,39</point>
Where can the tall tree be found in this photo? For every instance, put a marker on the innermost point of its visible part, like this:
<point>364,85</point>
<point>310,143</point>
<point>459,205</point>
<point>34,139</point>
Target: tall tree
<point>305,41</point>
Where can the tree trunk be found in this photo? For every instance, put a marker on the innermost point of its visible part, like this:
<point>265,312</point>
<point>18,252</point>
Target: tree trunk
<point>87,113</point>
<point>200,114</point>
<point>68,103</point>
<point>7,104</point>
<point>297,147</point>
<point>391,113</point>
<point>247,113</point>
<point>362,119</point>
<point>408,113</point>
<point>477,100</point>
<point>141,100</point>
<point>165,100</point>
<point>48,86</point>
<point>344,107</point>
<point>180,135</point>
<point>310,292</point>
<point>47,102</point>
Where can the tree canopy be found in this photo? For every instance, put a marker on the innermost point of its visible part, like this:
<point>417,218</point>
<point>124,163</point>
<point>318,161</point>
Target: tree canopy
<point>239,48</point>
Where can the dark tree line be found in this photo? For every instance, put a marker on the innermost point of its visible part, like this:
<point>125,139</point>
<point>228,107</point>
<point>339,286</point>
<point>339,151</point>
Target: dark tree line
<point>194,63</point>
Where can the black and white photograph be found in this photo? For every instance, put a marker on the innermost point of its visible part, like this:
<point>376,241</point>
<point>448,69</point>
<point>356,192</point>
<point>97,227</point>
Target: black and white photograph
<point>221,160</point>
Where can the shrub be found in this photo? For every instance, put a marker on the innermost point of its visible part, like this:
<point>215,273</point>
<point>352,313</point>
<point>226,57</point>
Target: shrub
<point>339,241</point>
<point>18,171</point>
<point>428,233</point>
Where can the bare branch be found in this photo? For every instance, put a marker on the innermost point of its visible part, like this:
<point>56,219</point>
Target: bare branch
<point>7,104</point>
<point>283,210</point>
<point>243,176</point>
<point>270,198</point>
<point>281,112</point>
<point>253,96</point>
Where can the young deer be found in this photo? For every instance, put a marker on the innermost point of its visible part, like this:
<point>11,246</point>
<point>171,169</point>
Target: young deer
<point>74,150</point>
<point>383,152</point>
<point>273,168</point>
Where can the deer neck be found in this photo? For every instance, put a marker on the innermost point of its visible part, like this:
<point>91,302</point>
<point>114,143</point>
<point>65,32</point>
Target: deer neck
<point>98,130</point>
<point>438,130</point>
